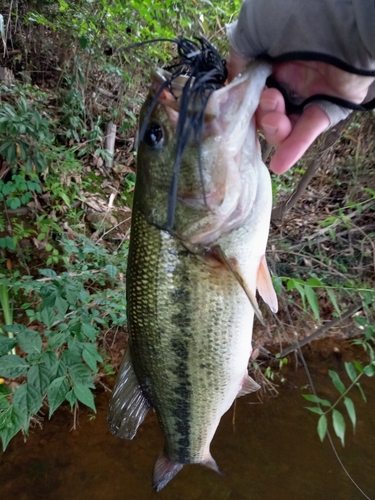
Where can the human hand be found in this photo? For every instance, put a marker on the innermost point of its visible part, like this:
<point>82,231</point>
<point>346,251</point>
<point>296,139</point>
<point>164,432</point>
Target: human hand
<point>293,134</point>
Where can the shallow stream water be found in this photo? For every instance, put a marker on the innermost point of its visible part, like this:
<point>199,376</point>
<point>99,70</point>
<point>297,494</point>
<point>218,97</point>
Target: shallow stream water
<point>271,452</point>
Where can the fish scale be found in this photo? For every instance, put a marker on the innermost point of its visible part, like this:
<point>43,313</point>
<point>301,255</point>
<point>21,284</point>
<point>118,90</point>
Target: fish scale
<point>173,339</point>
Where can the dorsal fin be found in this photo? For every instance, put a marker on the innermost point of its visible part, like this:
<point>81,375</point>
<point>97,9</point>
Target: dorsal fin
<point>128,406</point>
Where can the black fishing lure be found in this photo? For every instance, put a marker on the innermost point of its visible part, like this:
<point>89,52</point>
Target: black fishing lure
<point>200,61</point>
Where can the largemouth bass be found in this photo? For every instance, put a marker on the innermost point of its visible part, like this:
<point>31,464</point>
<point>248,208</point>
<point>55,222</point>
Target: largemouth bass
<point>191,287</point>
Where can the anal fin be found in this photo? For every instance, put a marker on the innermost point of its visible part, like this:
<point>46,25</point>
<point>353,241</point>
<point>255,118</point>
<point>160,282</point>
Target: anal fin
<point>249,385</point>
<point>128,406</point>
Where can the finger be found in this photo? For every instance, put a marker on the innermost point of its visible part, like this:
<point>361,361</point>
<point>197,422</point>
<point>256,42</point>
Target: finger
<point>271,117</point>
<point>271,100</point>
<point>310,125</point>
<point>276,127</point>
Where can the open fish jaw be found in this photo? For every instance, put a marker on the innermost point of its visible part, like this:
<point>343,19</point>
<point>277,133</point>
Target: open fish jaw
<point>230,158</point>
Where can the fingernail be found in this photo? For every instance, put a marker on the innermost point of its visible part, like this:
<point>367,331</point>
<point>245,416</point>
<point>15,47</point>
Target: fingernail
<point>268,104</point>
<point>269,129</point>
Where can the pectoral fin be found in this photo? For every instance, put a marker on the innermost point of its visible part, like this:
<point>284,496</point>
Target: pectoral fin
<point>265,286</point>
<point>219,254</point>
<point>128,406</point>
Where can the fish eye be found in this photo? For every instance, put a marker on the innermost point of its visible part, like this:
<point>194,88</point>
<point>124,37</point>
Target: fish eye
<point>154,136</point>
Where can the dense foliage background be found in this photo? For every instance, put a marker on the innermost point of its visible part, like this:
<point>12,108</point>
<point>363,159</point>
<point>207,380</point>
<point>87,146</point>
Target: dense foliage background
<point>66,78</point>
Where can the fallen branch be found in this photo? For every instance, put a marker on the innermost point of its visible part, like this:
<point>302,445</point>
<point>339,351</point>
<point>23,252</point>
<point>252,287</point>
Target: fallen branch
<point>110,143</point>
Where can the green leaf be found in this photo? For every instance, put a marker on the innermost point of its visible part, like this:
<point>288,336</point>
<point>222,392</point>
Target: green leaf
<point>361,391</point>
<point>39,377</point>
<point>339,425</point>
<point>358,366</point>
<point>49,273</point>
<point>51,361</point>
<point>71,358</point>
<point>83,42</point>
<point>14,202</point>
<point>351,411</point>
<point>71,398</point>
<point>290,285</point>
<point>302,291</point>
<point>47,316</point>
<point>71,294</point>
<point>111,270</point>
<point>315,409</point>
<point>90,360</point>
<point>6,344</point>
<point>12,366</point>
<point>332,296</point>
<point>84,395</point>
<point>322,427</point>
<point>277,282</point>
<point>7,242</point>
<point>312,299</point>
<point>58,340</point>
<point>27,400</point>
<point>30,341</point>
<point>62,369</point>
<point>20,405</point>
<point>91,348</point>
<point>316,399</point>
<point>61,305</point>
<point>10,424</point>
<point>369,370</point>
<point>314,282</point>
<point>337,381</point>
<point>350,370</point>
<point>80,374</point>
<point>56,393</point>
<point>89,330</point>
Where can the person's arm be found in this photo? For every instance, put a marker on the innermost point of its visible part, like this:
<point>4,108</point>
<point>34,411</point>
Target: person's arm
<point>323,47</point>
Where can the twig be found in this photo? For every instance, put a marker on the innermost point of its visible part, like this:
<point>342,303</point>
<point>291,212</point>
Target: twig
<point>279,211</point>
<point>340,220</point>
<point>367,237</point>
<point>112,228</point>
<point>341,233</point>
<point>320,331</point>
<point>333,271</point>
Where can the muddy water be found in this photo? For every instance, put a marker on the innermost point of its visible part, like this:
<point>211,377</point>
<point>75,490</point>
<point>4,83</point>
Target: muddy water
<point>272,452</point>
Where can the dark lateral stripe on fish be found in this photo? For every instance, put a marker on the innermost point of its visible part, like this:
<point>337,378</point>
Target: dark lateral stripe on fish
<point>179,344</point>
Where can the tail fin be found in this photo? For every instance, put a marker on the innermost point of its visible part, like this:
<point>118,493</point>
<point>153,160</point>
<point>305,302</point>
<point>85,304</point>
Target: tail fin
<point>164,471</point>
<point>128,406</point>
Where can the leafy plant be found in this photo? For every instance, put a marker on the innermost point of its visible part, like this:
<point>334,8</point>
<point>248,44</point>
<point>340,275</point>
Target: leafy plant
<point>355,371</point>
<point>57,356</point>
<point>20,189</point>
<point>24,135</point>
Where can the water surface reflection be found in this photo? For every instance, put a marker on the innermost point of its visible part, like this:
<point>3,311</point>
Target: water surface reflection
<point>272,452</point>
